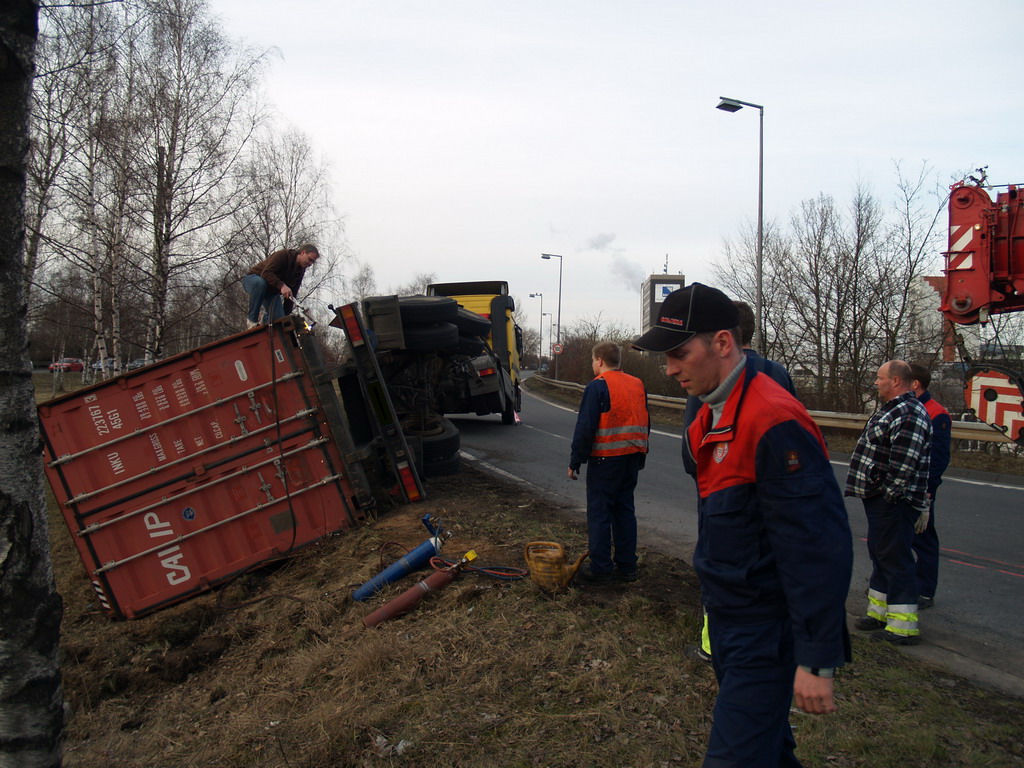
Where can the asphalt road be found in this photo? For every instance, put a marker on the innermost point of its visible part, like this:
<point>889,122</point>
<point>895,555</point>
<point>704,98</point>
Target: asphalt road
<point>976,627</point>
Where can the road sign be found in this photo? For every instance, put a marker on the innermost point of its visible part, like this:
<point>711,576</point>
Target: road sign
<point>557,349</point>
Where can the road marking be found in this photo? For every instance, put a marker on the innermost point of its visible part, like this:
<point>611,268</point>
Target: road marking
<point>837,463</point>
<point>549,434</point>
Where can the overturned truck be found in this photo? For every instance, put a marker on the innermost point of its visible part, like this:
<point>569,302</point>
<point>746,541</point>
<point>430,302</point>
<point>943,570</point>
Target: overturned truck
<point>455,350</point>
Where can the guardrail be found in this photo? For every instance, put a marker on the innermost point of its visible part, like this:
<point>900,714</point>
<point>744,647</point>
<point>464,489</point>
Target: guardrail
<point>962,430</point>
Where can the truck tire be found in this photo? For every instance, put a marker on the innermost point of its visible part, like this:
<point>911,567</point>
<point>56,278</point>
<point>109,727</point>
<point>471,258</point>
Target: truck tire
<point>427,309</point>
<point>430,337</point>
<point>472,324</point>
<point>508,415</point>
<point>448,466</point>
<point>442,443</point>
<point>473,346</point>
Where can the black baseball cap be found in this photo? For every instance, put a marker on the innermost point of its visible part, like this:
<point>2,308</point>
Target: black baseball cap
<point>684,313</point>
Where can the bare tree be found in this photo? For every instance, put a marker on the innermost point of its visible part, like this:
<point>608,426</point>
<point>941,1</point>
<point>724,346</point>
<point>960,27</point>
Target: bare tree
<point>198,91</point>
<point>913,248</point>
<point>418,285</point>
<point>31,700</point>
<point>842,291</point>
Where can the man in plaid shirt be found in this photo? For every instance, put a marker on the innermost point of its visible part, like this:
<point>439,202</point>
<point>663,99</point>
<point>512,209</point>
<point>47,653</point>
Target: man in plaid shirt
<point>889,472</point>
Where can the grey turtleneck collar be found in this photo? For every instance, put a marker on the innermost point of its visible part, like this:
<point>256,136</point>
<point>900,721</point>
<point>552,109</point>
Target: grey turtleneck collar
<point>717,397</point>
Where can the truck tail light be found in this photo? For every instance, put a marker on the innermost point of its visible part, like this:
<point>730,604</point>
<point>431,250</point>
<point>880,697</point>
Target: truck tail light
<point>348,315</point>
<point>487,372</point>
<point>408,481</point>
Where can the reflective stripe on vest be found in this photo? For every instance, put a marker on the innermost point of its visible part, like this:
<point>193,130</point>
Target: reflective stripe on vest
<point>624,427</point>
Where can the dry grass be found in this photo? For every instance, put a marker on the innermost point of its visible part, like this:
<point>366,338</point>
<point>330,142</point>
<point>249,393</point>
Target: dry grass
<point>276,669</point>
<point>484,673</point>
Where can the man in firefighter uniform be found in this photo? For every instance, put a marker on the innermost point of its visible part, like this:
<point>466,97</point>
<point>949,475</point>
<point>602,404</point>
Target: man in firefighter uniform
<point>889,473</point>
<point>926,543</point>
<point>780,375</point>
<point>774,550</point>
<point>611,438</point>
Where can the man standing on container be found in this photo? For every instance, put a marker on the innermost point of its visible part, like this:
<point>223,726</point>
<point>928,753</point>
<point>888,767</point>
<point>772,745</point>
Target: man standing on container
<point>889,472</point>
<point>774,549</point>
<point>611,438</point>
<point>926,543</point>
<point>274,283</point>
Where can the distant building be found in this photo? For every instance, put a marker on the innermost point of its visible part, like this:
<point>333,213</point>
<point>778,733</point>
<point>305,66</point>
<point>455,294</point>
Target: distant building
<point>653,292</point>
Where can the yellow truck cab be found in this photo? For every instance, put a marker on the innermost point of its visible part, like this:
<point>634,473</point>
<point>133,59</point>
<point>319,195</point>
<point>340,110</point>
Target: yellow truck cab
<point>490,299</point>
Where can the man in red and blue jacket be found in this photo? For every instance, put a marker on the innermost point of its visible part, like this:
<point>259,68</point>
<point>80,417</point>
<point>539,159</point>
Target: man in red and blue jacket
<point>774,549</point>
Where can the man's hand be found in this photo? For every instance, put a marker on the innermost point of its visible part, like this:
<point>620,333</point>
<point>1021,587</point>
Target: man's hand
<point>922,522</point>
<point>572,473</point>
<point>286,292</point>
<point>813,694</point>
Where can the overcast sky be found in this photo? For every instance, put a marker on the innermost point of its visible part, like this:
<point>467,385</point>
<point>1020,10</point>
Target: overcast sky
<point>466,137</point>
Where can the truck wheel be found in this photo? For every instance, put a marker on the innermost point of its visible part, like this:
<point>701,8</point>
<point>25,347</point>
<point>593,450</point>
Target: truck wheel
<point>508,415</point>
<point>472,324</point>
<point>427,309</point>
<point>427,338</point>
<point>448,466</point>
<point>442,443</point>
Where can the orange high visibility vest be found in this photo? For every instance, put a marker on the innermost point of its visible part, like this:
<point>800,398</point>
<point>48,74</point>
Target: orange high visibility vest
<point>623,429</point>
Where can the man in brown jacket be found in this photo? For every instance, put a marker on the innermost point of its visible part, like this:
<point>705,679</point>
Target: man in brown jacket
<point>273,283</point>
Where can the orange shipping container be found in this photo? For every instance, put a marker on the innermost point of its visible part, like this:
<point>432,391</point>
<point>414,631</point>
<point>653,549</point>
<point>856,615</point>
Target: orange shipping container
<point>175,477</point>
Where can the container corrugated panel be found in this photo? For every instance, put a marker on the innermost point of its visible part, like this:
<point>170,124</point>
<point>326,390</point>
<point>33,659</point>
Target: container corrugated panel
<point>175,477</point>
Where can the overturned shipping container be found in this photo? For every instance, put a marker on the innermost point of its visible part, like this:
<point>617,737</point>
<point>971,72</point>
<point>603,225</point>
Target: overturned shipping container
<point>175,477</point>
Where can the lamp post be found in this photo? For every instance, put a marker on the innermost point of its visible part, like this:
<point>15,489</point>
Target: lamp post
<point>558,333</point>
<point>540,339</point>
<point>735,105</point>
<point>550,323</point>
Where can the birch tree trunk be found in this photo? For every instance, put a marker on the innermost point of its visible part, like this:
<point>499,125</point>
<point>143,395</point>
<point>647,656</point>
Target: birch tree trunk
<point>31,700</point>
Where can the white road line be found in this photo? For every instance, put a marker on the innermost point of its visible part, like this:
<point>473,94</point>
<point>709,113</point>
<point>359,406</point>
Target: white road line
<point>837,463</point>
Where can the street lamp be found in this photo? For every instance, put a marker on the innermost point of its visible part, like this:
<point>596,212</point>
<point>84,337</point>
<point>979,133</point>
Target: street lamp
<point>550,323</point>
<point>735,105</point>
<point>540,339</point>
<point>558,333</point>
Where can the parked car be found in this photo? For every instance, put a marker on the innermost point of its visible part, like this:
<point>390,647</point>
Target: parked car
<point>131,365</point>
<point>98,365</point>
<point>68,364</point>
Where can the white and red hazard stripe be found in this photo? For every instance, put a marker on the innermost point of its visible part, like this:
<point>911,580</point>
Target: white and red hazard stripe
<point>960,238</point>
<point>997,401</point>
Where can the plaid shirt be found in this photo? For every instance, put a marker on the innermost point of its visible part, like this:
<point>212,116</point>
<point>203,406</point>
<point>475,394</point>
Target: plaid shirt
<point>892,454</point>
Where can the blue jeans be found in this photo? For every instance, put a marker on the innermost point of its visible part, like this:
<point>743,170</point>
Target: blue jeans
<point>262,296</point>
<point>610,512</point>
<point>755,668</point>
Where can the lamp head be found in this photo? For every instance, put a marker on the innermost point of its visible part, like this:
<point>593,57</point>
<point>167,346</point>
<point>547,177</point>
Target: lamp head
<point>729,105</point>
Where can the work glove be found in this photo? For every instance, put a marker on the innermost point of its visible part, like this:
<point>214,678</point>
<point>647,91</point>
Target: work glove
<point>922,522</point>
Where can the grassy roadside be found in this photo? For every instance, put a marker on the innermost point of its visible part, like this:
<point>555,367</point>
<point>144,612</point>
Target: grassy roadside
<point>276,669</point>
